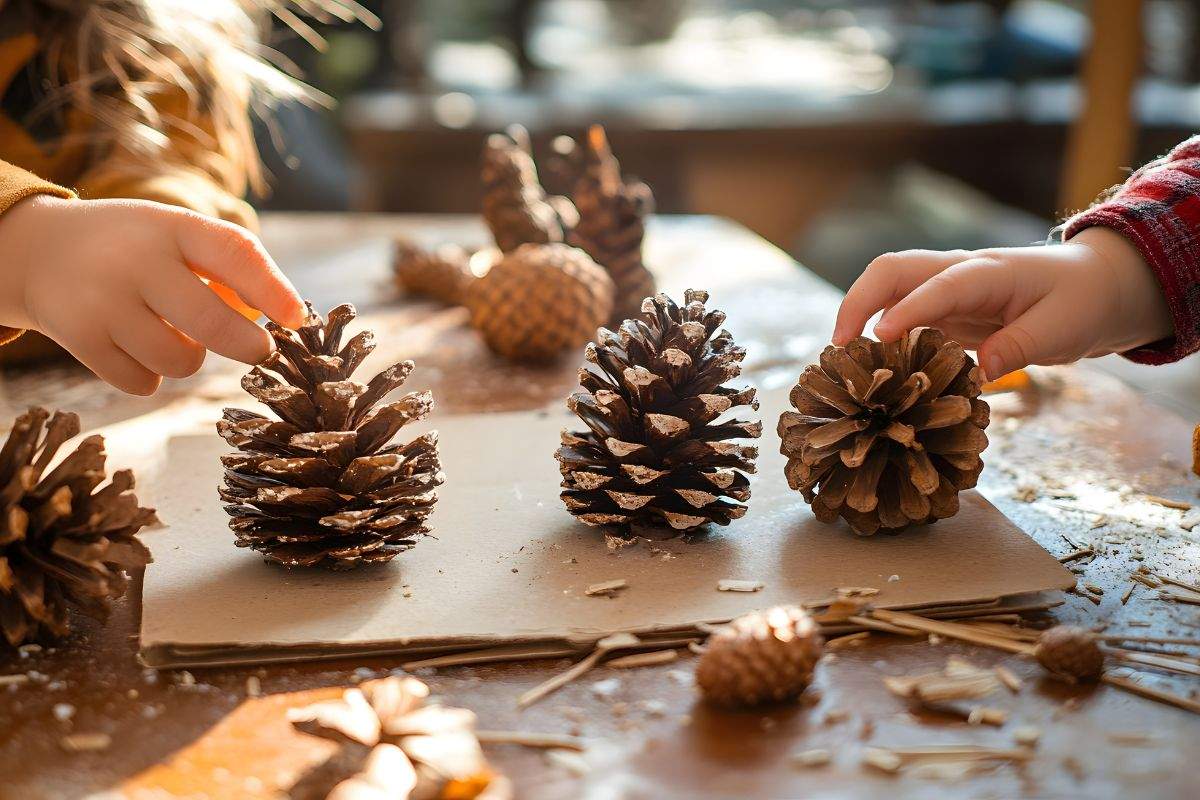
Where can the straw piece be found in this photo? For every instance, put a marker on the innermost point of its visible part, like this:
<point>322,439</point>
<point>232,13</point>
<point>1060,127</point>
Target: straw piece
<point>559,741</point>
<point>1148,692</point>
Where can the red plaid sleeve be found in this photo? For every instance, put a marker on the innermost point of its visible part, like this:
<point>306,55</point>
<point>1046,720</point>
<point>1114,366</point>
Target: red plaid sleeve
<point>1158,210</point>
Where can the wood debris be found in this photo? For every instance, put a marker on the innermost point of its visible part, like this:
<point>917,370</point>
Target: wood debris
<point>570,761</point>
<point>1008,678</point>
<point>1157,660</point>
<point>559,741</point>
<point>15,679</point>
<point>986,715</point>
<point>856,591</point>
<point>644,659</point>
<point>85,742</point>
<point>882,760</point>
<point>732,585</point>
<point>606,588</point>
<point>960,680</point>
<point>618,641</point>
<point>1027,735</point>
<point>1167,502</point>
<point>849,640</point>
<point>1179,595</point>
<point>1080,553</point>
<point>253,686</point>
<point>812,758</point>
<point>1151,693</point>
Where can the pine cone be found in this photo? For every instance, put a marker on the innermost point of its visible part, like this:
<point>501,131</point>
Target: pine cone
<point>323,485</point>
<point>442,273</point>
<point>612,222</point>
<point>887,435</point>
<point>652,393</point>
<point>63,544</point>
<point>515,206</point>
<point>540,300</point>
<point>762,657</point>
<point>394,745</point>
<point>1070,652</point>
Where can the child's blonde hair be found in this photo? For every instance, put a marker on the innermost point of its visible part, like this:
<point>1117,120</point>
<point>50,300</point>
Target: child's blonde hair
<point>149,72</point>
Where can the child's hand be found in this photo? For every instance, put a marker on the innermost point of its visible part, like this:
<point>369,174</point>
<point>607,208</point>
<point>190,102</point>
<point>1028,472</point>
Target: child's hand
<point>1092,296</point>
<point>115,283</point>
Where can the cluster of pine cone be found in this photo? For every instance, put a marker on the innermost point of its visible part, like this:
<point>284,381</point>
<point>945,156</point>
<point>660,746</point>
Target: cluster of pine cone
<point>562,266</point>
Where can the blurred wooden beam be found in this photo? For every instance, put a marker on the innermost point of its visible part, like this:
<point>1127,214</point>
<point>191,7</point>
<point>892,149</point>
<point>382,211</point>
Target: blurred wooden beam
<point>1102,138</point>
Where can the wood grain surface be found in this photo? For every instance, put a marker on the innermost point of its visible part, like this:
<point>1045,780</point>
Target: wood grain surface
<point>1072,460</point>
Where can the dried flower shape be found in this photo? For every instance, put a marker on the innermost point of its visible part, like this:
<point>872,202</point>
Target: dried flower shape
<point>396,746</point>
<point>1070,652</point>
<point>886,435</point>
<point>442,273</point>
<point>612,220</point>
<point>540,300</point>
<point>515,206</point>
<point>322,484</point>
<point>658,447</point>
<point>64,543</point>
<point>763,657</point>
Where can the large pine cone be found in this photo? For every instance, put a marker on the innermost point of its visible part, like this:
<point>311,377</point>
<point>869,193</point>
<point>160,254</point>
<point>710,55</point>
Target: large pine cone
<point>540,300</point>
<point>886,435</point>
<point>63,542</point>
<point>515,206</point>
<point>1070,652</point>
<point>763,657</point>
<point>654,452</point>
<point>322,485</point>
<point>612,222</point>
<point>442,273</point>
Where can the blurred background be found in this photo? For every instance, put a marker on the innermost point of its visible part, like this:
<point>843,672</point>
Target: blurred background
<point>837,130</point>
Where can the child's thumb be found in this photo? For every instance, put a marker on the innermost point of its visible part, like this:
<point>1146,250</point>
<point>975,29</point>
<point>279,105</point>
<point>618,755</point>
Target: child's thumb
<point>1027,340</point>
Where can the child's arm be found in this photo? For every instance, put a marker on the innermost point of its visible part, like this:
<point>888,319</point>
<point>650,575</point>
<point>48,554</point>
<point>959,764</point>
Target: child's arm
<point>115,283</point>
<point>1127,280</point>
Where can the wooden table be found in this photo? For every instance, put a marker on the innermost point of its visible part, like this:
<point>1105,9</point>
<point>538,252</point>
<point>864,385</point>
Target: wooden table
<point>1071,458</point>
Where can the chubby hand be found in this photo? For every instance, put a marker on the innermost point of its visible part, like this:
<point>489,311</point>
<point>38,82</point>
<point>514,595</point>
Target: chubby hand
<point>1017,306</point>
<point>118,284</point>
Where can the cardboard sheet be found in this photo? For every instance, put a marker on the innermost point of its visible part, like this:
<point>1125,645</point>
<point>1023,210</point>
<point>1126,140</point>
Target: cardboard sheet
<point>509,564</point>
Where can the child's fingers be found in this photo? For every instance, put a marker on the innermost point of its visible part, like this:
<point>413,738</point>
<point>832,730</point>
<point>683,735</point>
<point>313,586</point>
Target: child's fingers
<point>114,366</point>
<point>182,299</point>
<point>1036,337</point>
<point>227,253</point>
<point>967,288</point>
<point>886,280</point>
<point>156,345</point>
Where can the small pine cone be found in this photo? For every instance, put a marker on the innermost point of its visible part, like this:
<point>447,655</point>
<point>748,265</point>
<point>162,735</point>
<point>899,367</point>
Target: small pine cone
<point>323,485</point>
<point>442,273</point>
<point>1070,652</point>
<point>64,543</point>
<point>515,206</point>
<point>763,657</point>
<point>612,222</point>
<point>655,451</point>
<point>540,300</point>
<point>886,435</point>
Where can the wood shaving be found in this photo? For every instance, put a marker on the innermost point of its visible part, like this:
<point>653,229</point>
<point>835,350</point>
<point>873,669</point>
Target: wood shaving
<point>812,758</point>
<point>882,760</point>
<point>1027,736</point>
<point>85,742</point>
<point>606,588</point>
<point>985,715</point>
<point>644,659</point>
<point>850,640</point>
<point>732,585</point>
<point>1008,678</point>
<point>1167,502</point>
<point>558,741</point>
<point>570,761</point>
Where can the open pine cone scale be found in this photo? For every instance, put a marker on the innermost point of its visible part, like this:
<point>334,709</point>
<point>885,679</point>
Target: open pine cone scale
<point>321,484</point>
<point>886,435</point>
<point>654,451</point>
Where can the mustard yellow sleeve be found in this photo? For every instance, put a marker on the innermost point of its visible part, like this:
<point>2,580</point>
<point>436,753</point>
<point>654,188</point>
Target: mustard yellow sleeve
<point>17,184</point>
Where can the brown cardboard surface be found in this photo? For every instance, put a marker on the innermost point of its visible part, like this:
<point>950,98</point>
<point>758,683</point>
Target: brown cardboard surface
<point>509,563</point>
